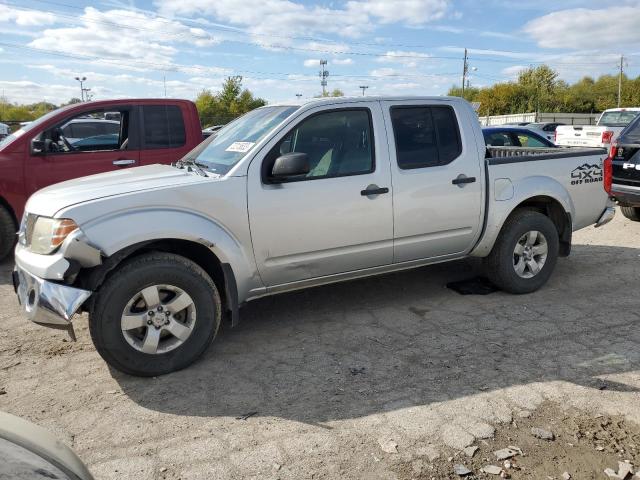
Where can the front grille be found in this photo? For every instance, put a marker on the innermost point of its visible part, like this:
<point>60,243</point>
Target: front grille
<point>28,228</point>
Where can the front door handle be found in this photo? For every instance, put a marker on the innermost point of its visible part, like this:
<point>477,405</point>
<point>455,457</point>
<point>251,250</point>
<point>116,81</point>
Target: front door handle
<point>373,190</point>
<point>461,180</point>
<point>123,162</point>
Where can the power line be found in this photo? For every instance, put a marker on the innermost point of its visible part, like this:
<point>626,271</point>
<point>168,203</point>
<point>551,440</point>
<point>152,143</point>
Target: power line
<point>314,50</point>
<point>185,68</point>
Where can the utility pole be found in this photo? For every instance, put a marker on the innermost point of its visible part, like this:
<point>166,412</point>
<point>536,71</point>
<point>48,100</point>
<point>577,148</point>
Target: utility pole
<point>363,87</point>
<point>298,96</point>
<point>81,80</point>
<point>323,77</point>
<point>620,80</point>
<point>465,69</point>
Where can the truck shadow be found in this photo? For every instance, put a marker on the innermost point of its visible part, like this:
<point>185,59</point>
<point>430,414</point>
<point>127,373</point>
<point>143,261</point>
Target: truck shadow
<point>374,345</point>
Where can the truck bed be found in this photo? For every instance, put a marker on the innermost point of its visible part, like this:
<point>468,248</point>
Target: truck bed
<point>516,174</point>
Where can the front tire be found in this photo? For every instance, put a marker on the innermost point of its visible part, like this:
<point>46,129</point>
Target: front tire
<point>7,233</point>
<point>525,253</point>
<point>155,314</point>
<point>632,213</point>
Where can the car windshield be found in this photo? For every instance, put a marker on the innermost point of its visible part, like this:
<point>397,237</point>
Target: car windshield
<point>235,140</point>
<point>617,119</point>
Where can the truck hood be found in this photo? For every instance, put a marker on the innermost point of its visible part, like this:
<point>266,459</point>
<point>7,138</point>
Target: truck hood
<point>51,199</point>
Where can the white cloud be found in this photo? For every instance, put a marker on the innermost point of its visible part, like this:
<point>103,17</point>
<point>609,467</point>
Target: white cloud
<point>287,18</point>
<point>513,71</point>
<point>383,72</point>
<point>411,12</point>
<point>587,28</point>
<point>128,36</point>
<point>342,61</point>
<point>25,18</point>
<point>407,59</point>
<point>312,62</point>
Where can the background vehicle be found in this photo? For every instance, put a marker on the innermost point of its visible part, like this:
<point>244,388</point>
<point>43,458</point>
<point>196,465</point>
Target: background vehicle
<point>603,134</point>
<point>288,197</point>
<point>545,129</point>
<point>623,171</point>
<point>517,124</point>
<point>4,130</point>
<point>514,137</point>
<point>29,452</point>
<point>207,132</point>
<point>78,140</point>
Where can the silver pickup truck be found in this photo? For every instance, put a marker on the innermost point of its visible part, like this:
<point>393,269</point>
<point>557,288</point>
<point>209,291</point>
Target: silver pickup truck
<point>288,197</point>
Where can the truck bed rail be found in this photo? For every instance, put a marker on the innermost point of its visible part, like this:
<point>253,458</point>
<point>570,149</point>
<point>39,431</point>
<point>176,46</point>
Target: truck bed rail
<point>502,155</point>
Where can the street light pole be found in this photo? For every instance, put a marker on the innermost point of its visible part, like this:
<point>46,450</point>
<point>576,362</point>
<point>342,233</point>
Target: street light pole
<point>81,80</point>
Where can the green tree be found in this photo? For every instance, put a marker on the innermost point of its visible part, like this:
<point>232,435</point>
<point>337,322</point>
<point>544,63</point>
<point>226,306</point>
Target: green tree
<point>231,102</point>
<point>539,89</point>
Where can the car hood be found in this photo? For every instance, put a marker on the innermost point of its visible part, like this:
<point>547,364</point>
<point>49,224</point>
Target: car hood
<point>51,199</point>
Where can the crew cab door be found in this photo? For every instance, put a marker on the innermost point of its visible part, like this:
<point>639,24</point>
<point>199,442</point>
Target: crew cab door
<point>89,142</point>
<point>164,134</point>
<point>336,218</point>
<point>436,177</point>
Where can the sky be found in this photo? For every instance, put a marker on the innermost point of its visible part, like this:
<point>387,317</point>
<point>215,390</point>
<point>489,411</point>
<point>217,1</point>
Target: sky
<point>177,48</point>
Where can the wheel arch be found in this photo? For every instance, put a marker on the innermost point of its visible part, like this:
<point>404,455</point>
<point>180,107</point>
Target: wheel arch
<point>554,202</point>
<point>221,273</point>
<point>7,206</point>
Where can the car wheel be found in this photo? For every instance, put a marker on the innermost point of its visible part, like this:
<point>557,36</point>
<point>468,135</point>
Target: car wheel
<point>632,213</point>
<point>155,314</point>
<point>7,232</point>
<point>525,253</point>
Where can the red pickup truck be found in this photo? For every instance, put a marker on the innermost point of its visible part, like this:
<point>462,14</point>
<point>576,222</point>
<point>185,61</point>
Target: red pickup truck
<point>88,138</point>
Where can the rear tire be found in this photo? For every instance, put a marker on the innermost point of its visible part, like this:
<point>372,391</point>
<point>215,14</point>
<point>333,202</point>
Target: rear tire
<point>7,233</point>
<point>122,299</point>
<point>524,254</point>
<point>632,213</point>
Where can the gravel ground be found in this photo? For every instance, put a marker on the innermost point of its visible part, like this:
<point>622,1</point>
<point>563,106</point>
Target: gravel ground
<point>334,377</point>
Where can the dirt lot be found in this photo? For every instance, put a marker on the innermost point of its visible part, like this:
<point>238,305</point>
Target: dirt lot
<point>335,377</point>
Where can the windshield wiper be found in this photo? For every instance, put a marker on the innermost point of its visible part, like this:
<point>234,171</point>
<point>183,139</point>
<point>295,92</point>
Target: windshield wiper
<point>190,164</point>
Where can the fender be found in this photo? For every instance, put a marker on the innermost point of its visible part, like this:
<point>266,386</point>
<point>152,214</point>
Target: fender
<point>525,189</point>
<point>122,229</point>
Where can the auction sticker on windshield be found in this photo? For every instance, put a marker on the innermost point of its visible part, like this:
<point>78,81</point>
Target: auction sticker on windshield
<point>241,147</point>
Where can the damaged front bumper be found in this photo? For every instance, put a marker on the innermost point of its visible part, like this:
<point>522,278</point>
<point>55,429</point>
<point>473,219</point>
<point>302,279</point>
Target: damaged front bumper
<point>42,281</point>
<point>46,302</point>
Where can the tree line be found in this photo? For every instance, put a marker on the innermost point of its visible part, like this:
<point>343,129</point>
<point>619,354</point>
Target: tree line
<point>540,89</point>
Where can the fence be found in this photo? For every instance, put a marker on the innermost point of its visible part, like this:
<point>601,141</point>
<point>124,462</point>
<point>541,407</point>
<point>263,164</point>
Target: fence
<point>566,118</point>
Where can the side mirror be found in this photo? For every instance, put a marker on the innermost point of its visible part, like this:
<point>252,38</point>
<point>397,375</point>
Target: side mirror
<point>290,165</point>
<point>40,147</point>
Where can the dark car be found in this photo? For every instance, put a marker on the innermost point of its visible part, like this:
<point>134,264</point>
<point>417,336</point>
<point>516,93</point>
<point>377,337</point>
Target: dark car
<point>622,171</point>
<point>514,137</point>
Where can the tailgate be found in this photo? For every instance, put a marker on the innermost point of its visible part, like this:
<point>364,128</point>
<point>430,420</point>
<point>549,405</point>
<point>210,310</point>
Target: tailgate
<point>587,136</point>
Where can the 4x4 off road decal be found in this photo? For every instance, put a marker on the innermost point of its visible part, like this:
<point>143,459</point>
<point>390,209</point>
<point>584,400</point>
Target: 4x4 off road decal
<point>586,173</point>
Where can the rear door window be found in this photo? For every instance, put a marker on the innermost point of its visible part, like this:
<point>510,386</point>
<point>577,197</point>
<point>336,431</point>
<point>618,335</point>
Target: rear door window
<point>425,136</point>
<point>163,126</point>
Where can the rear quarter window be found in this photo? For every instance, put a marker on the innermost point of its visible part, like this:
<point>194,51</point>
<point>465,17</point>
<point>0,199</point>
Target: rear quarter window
<point>163,126</point>
<point>425,136</point>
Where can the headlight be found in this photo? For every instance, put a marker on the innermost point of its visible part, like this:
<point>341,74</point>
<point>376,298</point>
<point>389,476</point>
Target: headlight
<point>49,233</point>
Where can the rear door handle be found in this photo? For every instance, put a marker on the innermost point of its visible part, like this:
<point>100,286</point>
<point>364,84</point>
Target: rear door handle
<point>123,162</point>
<point>461,180</point>
<point>373,190</point>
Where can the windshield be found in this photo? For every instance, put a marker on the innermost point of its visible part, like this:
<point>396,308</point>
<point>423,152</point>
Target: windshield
<point>617,119</point>
<point>29,126</point>
<point>233,141</point>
